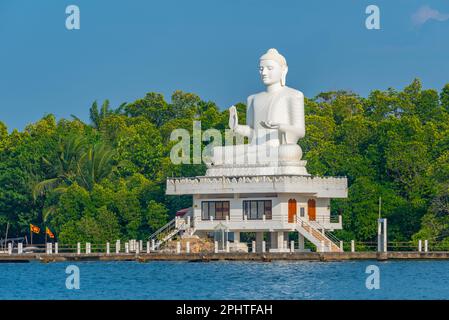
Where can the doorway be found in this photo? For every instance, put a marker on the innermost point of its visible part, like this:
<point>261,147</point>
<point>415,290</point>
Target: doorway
<point>311,209</point>
<point>291,210</point>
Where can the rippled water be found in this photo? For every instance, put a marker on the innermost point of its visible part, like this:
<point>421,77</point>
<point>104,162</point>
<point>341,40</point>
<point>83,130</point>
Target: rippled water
<point>226,280</point>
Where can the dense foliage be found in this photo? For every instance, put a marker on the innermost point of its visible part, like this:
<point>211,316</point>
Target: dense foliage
<point>105,180</point>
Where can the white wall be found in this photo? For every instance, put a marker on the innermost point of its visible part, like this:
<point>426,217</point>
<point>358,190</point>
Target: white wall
<point>279,219</point>
<point>236,206</point>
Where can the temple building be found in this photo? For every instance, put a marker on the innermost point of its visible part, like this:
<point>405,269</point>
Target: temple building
<point>263,187</point>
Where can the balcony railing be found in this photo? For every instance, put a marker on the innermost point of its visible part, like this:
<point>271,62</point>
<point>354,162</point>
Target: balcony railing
<point>327,219</point>
<point>234,221</point>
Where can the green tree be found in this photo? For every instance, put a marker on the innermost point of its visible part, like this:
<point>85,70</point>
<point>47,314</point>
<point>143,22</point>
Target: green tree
<point>97,115</point>
<point>64,167</point>
<point>155,216</point>
<point>444,97</point>
<point>153,107</point>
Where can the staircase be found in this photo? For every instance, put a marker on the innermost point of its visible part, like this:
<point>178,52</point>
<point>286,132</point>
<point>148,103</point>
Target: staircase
<point>310,230</point>
<point>171,229</point>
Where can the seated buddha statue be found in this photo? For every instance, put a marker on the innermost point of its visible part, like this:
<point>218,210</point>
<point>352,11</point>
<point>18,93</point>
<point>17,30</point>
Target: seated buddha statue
<point>274,121</point>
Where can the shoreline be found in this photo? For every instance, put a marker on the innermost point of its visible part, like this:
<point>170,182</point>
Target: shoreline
<point>207,257</point>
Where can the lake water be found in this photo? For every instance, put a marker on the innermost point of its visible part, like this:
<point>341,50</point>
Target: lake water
<point>226,280</point>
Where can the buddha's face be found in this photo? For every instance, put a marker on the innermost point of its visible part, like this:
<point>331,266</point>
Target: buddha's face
<point>270,71</point>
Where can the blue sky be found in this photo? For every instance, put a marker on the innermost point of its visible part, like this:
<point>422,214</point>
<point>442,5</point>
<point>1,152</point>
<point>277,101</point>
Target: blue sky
<point>127,48</point>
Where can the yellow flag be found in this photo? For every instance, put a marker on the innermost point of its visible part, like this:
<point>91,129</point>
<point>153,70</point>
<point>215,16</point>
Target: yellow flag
<point>50,234</point>
<point>34,229</point>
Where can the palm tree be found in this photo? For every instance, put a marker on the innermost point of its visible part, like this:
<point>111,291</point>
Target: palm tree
<point>97,163</point>
<point>80,163</point>
<point>97,115</point>
<point>70,150</point>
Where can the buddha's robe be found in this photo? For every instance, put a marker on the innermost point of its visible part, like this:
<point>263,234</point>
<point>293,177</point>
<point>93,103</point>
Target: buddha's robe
<point>285,107</point>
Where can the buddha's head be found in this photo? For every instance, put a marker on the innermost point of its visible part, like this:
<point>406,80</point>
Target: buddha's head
<point>273,68</point>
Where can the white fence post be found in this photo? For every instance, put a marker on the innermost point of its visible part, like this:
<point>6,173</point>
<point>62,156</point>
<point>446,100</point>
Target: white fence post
<point>56,248</point>
<point>419,245</point>
<point>148,246</point>
<point>49,248</point>
<point>10,248</point>
<point>20,248</point>
<point>216,247</point>
<point>426,245</point>
<point>292,246</point>
<point>227,246</point>
<point>153,245</point>
<point>253,247</point>
<point>188,247</point>
<point>108,248</point>
<point>88,247</point>
<point>322,246</point>
<point>341,245</point>
<point>126,247</point>
<point>117,246</point>
<point>78,248</point>
<point>264,246</point>
<point>178,247</point>
<point>137,247</point>
<point>352,246</point>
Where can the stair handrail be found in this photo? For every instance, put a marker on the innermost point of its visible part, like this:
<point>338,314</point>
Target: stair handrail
<point>303,222</point>
<point>163,228</point>
<point>172,228</point>
<point>189,213</point>
<point>332,238</point>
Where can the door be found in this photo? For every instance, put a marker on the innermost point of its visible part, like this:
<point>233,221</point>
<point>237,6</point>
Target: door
<point>311,209</point>
<point>291,211</point>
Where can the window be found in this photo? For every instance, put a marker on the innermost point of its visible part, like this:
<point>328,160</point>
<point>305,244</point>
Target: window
<point>204,210</point>
<point>255,209</point>
<point>268,210</point>
<point>219,210</point>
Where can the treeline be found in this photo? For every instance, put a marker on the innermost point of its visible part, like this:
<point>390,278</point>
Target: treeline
<point>105,180</point>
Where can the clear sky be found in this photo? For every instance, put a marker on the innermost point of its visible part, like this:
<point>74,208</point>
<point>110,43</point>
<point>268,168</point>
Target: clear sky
<point>127,48</point>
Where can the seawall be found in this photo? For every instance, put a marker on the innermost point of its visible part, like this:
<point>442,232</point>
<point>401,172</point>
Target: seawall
<point>206,257</point>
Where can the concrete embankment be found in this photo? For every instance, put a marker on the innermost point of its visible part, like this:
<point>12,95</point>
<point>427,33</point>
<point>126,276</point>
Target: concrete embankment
<point>206,257</point>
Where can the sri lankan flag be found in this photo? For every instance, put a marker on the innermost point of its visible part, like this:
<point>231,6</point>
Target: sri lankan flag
<point>50,234</point>
<point>34,228</point>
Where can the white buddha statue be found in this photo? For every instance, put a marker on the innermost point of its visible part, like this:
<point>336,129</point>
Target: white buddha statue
<point>274,123</point>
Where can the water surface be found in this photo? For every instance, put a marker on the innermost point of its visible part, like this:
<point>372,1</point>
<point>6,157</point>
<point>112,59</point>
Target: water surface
<point>226,280</point>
